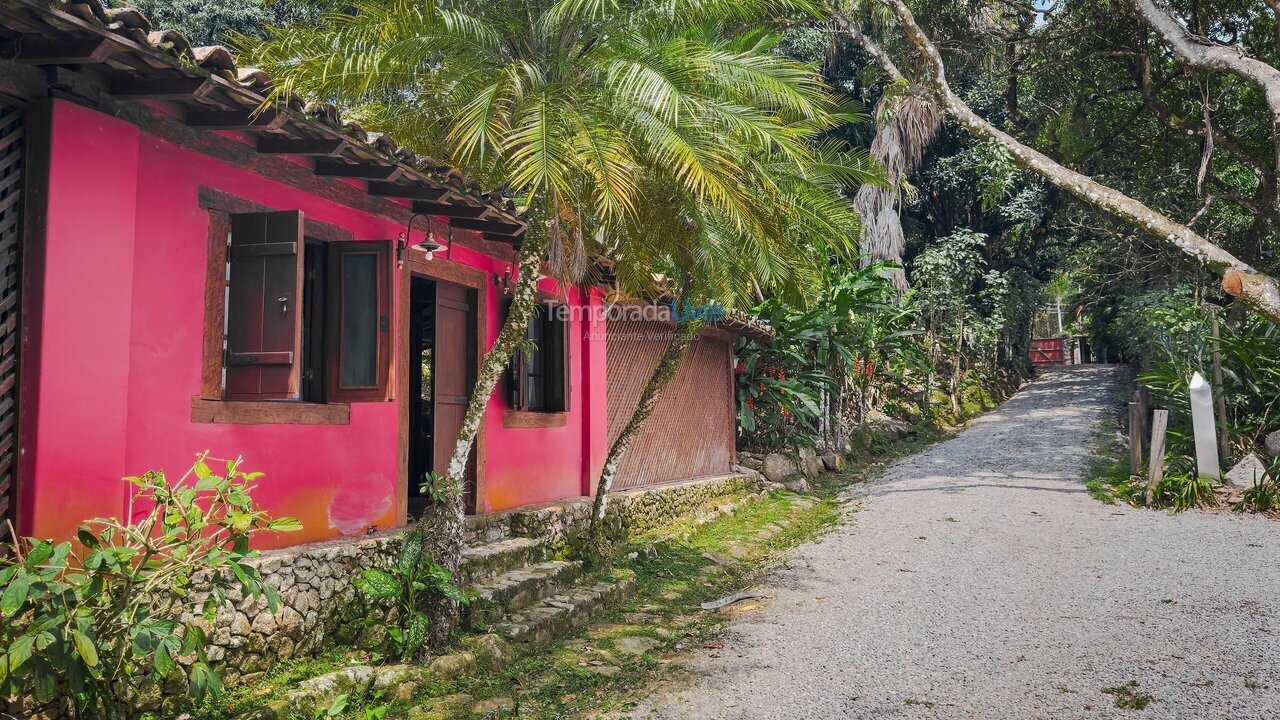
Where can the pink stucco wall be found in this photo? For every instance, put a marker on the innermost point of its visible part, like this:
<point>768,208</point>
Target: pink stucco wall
<point>115,326</point>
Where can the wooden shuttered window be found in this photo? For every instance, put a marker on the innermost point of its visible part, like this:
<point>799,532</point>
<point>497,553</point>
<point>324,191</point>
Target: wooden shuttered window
<point>359,321</point>
<point>305,320</point>
<point>538,376</point>
<point>264,314</point>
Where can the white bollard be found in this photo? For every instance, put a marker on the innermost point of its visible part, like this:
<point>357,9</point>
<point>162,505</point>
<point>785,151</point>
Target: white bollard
<point>1205,428</point>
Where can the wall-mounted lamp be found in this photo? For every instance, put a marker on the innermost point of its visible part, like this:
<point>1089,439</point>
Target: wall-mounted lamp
<point>505,281</point>
<point>430,244</point>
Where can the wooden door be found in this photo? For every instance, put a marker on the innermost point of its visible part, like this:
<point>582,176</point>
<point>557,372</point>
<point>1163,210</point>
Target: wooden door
<point>453,375</point>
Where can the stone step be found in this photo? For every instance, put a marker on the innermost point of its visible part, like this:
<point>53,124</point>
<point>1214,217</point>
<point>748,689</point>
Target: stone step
<point>518,589</point>
<point>480,562</point>
<point>559,615</point>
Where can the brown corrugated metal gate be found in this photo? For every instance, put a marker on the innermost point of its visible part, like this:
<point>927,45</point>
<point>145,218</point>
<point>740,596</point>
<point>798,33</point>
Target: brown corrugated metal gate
<point>1045,352</point>
<point>691,432</point>
<point>11,173</point>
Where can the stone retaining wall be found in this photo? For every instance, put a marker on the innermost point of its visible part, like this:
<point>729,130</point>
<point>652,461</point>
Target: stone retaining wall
<point>320,607</point>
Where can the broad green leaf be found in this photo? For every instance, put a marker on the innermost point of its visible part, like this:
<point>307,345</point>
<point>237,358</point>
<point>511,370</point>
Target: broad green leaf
<point>285,524</point>
<point>15,594</point>
<point>84,646</point>
<point>163,663</point>
<point>378,583</point>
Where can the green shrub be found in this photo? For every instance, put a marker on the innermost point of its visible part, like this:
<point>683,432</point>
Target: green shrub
<point>410,581</point>
<point>97,623</point>
<point>1264,495</point>
<point>1184,491</point>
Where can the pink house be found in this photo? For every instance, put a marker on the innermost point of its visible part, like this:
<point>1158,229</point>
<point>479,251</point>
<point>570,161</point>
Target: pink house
<point>181,271</point>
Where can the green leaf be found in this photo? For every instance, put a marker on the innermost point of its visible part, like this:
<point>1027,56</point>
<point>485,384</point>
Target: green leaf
<point>15,595</point>
<point>40,553</point>
<point>163,661</point>
<point>378,583</point>
<point>84,646</point>
<point>415,634</point>
<point>285,524</point>
<point>20,650</point>
<point>338,706</point>
<point>46,679</point>
<point>410,553</point>
<point>204,682</point>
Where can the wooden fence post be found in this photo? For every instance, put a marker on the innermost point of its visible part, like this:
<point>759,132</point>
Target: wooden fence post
<point>1135,435</point>
<point>1155,465</point>
<point>1224,441</point>
<point>1144,409</point>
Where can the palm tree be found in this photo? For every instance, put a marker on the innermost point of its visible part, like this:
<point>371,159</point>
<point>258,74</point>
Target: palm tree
<point>579,109</point>
<point>809,225</point>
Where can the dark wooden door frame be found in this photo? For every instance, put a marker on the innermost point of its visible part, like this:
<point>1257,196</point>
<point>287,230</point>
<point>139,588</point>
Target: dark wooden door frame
<point>466,276</point>
<point>35,146</point>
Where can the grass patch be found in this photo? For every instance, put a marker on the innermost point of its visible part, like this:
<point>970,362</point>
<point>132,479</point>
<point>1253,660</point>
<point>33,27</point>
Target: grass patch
<point>918,701</point>
<point>1128,697</point>
<point>242,698</point>
<point>1107,472</point>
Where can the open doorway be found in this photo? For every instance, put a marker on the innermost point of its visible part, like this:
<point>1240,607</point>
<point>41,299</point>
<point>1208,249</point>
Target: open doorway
<point>442,367</point>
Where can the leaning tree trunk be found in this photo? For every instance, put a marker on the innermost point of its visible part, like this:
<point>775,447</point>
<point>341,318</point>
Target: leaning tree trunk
<point>1239,279</point>
<point>444,522</point>
<point>668,364</point>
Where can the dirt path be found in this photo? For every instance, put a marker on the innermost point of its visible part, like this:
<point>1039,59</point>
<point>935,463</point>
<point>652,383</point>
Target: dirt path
<point>980,581</point>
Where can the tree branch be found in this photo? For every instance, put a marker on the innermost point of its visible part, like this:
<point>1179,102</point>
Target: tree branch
<point>871,46</point>
<point>1150,96</point>
<point>1255,290</point>
<point>1197,53</point>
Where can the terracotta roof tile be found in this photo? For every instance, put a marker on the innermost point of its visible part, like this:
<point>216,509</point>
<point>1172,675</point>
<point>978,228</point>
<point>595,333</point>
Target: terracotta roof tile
<point>217,60</point>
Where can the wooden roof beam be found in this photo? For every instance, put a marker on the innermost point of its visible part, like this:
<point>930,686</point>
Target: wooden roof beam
<point>360,171</point>
<point>407,192</point>
<point>488,226</point>
<point>513,240</point>
<point>449,210</point>
<point>307,147</point>
<point>36,50</point>
<point>236,119</point>
<point>183,88</point>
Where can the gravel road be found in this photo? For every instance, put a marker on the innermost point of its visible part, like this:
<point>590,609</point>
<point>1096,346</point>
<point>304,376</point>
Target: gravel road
<point>979,580</point>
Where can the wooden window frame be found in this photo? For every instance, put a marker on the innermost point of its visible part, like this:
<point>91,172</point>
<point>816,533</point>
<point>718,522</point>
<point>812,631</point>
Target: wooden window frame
<point>515,417</point>
<point>210,406</point>
<point>381,390</point>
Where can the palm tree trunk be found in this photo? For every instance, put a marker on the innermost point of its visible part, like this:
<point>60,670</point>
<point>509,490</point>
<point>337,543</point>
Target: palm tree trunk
<point>670,362</point>
<point>444,522</point>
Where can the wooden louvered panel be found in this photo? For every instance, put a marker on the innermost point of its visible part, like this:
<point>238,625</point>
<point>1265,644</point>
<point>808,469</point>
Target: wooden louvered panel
<point>691,432</point>
<point>11,145</point>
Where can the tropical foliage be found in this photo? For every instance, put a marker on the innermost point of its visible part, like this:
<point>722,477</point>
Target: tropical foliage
<point>100,622</point>
<point>407,582</point>
<point>813,382</point>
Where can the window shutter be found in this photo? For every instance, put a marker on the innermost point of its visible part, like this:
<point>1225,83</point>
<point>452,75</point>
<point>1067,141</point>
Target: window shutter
<point>515,389</point>
<point>264,318</point>
<point>557,362</point>
<point>359,333</point>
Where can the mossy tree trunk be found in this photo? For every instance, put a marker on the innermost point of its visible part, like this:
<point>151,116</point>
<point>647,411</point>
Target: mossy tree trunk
<point>670,362</point>
<point>444,522</point>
